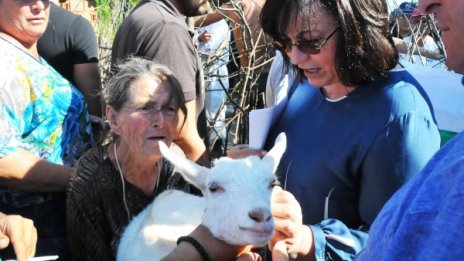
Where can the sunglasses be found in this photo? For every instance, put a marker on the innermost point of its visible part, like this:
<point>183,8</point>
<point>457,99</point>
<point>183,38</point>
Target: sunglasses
<point>312,46</point>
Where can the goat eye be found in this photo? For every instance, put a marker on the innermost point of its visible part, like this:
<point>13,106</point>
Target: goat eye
<point>214,187</point>
<point>274,183</point>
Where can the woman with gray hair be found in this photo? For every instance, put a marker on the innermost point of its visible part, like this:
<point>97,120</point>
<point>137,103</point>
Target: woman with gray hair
<point>117,180</point>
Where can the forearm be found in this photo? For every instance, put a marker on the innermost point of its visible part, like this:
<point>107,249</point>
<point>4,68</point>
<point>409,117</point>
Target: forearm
<point>25,171</point>
<point>404,47</point>
<point>216,249</point>
<point>87,79</point>
<point>209,18</point>
<point>193,147</point>
<point>188,138</point>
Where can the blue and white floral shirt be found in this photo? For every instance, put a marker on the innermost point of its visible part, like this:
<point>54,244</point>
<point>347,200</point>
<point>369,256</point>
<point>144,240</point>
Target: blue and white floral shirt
<point>40,112</point>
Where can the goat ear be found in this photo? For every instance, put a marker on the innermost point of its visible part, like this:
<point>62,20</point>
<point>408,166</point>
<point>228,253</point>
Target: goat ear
<point>273,157</point>
<point>192,172</point>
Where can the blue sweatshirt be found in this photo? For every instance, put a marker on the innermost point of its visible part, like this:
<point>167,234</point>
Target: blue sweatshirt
<point>346,158</point>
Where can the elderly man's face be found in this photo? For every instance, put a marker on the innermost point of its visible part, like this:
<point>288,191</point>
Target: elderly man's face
<point>450,17</point>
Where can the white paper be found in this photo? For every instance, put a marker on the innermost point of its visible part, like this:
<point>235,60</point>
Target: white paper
<point>38,258</point>
<point>261,120</point>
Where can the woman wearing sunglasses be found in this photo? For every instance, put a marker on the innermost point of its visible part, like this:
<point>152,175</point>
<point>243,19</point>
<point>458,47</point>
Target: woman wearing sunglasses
<point>357,129</point>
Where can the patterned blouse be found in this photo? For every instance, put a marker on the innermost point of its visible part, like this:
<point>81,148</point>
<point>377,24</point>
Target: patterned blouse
<point>40,112</point>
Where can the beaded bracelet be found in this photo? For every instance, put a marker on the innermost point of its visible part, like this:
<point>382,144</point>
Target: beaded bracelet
<point>195,244</point>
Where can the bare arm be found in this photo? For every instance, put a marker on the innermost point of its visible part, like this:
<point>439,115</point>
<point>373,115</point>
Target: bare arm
<point>225,11</point>
<point>404,47</point>
<point>25,171</point>
<point>210,18</point>
<point>188,138</point>
<point>243,150</point>
<point>88,81</point>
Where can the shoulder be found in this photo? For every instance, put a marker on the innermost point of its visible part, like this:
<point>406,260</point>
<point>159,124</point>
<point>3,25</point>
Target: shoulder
<point>148,18</point>
<point>90,177</point>
<point>80,24</point>
<point>402,93</point>
<point>89,164</point>
<point>61,17</point>
<point>147,12</point>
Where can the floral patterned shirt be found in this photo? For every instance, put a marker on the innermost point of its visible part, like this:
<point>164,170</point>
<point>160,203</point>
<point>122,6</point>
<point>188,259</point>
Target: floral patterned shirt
<point>40,112</point>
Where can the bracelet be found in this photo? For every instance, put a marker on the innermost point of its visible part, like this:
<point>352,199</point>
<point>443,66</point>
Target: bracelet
<point>195,244</point>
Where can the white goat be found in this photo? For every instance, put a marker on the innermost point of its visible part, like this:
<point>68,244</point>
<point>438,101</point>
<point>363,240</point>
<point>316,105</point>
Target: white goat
<point>235,206</point>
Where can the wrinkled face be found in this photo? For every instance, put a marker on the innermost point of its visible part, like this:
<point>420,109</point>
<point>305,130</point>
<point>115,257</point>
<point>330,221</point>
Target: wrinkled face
<point>192,7</point>
<point>450,17</point>
<point>146,118</point>
<point>25,20</point>
<point>318,68</point>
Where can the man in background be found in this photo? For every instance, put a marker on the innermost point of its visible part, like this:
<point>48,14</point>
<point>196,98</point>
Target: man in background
<point>70,46</point>
<point>157,30</point>
<point>422,220</point>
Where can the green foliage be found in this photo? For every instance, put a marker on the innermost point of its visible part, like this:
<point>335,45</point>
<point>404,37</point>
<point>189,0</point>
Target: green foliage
<point>110,14</point>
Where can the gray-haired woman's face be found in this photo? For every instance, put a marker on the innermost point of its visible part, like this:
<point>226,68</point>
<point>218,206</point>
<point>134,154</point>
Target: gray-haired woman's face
<point>146,118</point>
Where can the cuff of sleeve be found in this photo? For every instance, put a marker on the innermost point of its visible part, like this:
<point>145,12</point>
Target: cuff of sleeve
<point>319,242</point>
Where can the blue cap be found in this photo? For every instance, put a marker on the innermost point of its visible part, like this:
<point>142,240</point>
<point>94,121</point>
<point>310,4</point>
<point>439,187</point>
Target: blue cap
<point>407,8</point>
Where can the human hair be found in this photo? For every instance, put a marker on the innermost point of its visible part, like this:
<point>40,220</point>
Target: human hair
<point>117,91</point>
<point>365,50</point>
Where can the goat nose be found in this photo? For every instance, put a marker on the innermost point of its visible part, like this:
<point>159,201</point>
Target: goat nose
<point>260,215</point>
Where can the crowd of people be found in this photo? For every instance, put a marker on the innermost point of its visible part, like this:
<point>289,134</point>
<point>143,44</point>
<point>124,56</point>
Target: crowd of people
<point>363,176</point>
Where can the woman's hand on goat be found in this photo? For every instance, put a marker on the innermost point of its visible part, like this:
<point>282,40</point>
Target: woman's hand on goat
<point>243,150</point>
<point>289,231</point>
<point>20,232</point>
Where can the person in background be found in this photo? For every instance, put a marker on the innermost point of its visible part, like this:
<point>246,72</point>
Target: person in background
<point>45,127</point>
<point>419,47</point>
<point>69,45</point>
<point>157,30</point>
<point>280,79</point>
<point>420,220</point>
<point>213,42</point>
<point>253,51</point>
<point>117,180</point>
<point>400,20</point>
<point>19,232</point>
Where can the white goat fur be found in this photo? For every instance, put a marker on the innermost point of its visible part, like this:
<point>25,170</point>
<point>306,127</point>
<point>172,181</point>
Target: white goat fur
<point>235,206</point>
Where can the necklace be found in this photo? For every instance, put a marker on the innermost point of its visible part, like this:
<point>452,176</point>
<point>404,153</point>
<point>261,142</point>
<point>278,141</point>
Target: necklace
<point>121,175</point>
